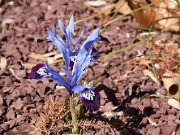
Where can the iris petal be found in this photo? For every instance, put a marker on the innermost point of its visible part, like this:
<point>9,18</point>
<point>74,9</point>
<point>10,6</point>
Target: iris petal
<point>90,99</point>
<point>79,39</point>
<point>70,31</point>
<point>57,77</point>
<point>38,72</point>
<point>82,61</point>
<point>78,60</point>
<point>58,42</point>
<point>91,39</point>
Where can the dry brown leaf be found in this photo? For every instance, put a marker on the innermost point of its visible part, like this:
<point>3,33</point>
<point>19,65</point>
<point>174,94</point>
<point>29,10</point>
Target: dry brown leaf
<point>28,65</point>
<point>57,56</point>
<point>13,73</point>
<point>161,9</point>
<point>5,24</point>
<point>95,3</point>
<point>51,58</point>
<point>38,56</point>
<point>170,81</point>
<point>50,54</point>
<point>174,103</point>
<point>169,74</point>
<point>3,63</point>
<point>151,122</point>
<point>1,10</point>
<point>173,133</point>
<point>171,86</point>
<point>151,75</point>
<point>59,87</point>
<point>112,114</point>
<point>125,9</point>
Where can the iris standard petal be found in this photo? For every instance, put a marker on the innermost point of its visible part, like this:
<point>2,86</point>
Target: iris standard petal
<point>90,99</point>
<point>58,42</point>
<point>38,72</point>
<point>79,39</point>
<point>82,61</point>
<point>62,27</point>
<point>91,39</point>
<point>70,31</point>
<point>57,77</point>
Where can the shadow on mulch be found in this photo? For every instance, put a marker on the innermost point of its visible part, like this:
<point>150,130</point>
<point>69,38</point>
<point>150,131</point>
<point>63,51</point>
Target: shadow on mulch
<point>134,115</point>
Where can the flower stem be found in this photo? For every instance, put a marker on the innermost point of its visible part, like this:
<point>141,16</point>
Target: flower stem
<point>73,115</point>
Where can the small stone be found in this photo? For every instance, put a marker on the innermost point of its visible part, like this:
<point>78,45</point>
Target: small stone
<point>108,82</point>
<point>10,114</point>
<point>171,117</point>
<point>24,127</point>
<point>146,102</point>
<point>167,130</point>
<point>155,116</point>
<point>162,111</point>
<point>171,123</point>
<point>11,123</point>
<point>155,104</point>
<point>21,73</point>
<point>107,107</point>
<point>1,100</point>
<point>177,121</point>
<point>1,112</point>
<point>18,104</point>
<point>156,131</point>
<point>37,98</point>
<point>133,127</point>
<point>162,91</point>
<point>103,94</point>
<point>19,92</point>
<point>5,126</point>
<point>1,130</point>
<point>9,99</point>
<point>178,132</point>
<point>102,101</point>
<point>134,100</point>
<point>141,107</point>
<point>172,111</point>
<point>144,121</point>
<point>20,118</point>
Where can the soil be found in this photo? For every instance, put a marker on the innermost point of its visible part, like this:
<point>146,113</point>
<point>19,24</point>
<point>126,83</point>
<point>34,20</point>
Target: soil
<point>126,104</point>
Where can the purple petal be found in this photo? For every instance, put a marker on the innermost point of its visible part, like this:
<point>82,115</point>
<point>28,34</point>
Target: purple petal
<point>38,72</point>
<point>90,99</point>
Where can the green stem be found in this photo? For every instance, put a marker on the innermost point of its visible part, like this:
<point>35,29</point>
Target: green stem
<point>73,115</point>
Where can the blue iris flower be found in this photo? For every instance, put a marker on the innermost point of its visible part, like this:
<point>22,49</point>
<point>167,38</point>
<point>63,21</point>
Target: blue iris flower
<point>77,60</point>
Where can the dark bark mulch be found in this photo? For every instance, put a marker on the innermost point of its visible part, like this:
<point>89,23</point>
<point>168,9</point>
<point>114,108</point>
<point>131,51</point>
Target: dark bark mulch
<point>122,85</point>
